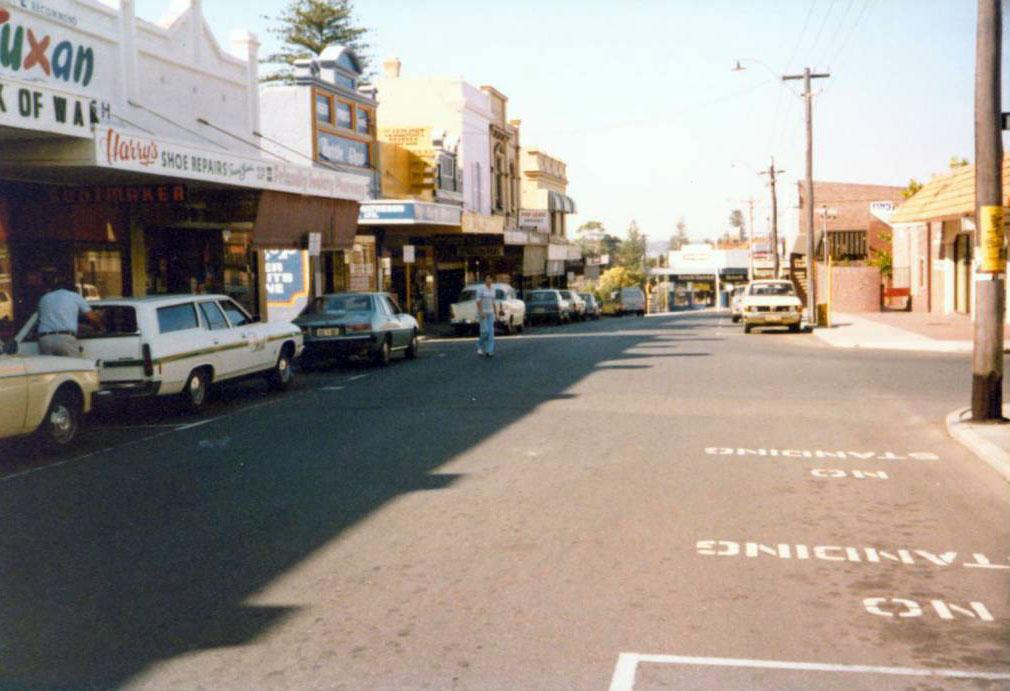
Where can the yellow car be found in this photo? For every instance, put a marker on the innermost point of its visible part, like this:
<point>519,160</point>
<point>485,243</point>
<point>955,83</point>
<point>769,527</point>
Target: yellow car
<point>44,394</point>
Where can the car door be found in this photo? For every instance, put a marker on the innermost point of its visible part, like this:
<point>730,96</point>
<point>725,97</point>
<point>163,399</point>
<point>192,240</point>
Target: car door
<point>249,351</point>
<point>393,319</point>
<point>223,343</point>
<point>13,395</point>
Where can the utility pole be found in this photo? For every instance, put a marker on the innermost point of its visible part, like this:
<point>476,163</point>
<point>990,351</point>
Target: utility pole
<point>811,277</point>
<point>990,295</point>
<point>771,173</point>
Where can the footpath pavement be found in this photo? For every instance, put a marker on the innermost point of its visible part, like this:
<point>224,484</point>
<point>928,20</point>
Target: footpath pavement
<point>927,333</point>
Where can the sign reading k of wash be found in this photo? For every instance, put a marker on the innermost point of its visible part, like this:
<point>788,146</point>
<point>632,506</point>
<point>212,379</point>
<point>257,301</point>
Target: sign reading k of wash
<point>41,109</point>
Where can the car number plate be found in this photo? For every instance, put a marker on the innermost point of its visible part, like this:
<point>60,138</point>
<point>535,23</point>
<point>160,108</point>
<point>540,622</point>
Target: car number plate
<point>537,310</point>
<point>328,332</point>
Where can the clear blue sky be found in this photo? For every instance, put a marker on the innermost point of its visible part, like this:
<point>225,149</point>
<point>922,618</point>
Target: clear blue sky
<point>638,97</point>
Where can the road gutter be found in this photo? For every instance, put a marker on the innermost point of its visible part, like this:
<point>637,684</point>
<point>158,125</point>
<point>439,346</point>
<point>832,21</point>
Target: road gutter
<point>978,438</point>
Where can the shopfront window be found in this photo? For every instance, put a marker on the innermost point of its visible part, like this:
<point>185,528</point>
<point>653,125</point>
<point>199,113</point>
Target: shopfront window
<point>6,294</point>
<point>98,273</point>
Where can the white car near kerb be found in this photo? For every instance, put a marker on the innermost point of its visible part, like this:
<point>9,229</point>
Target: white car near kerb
<point>510,316</point>
<point>771,303</point>
<point>180,344</point>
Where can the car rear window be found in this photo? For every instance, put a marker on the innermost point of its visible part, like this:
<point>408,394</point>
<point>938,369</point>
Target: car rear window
<point>338,304</point>
<point>177,318</point>
<point>772,289</point>
<point>542,297</point>
<point>468,295</point>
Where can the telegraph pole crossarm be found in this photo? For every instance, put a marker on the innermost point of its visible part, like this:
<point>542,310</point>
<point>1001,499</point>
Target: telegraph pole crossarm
<point>811,268</point>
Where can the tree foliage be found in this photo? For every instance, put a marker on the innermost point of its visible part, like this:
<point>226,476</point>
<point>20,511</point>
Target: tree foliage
<point>631,253</point>
<point>615,278</point>
<point>958,162</point>
<point>736,221</point>
<point>680,238</point>
<point>306,27</point>
<point>912,187</point>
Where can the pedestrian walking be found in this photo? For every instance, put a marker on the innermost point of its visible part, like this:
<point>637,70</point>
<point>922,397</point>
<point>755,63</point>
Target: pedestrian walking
<point>486,311</point>
<point>59,312</point>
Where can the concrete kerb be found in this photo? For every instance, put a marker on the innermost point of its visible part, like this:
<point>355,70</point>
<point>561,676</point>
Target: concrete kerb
<point>973,437</point>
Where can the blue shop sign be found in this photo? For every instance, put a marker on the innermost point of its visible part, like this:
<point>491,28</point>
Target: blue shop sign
<point>287,276</point>
<point>386,212</point>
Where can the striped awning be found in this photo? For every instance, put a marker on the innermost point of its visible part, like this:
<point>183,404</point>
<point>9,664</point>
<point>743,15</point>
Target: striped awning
<point>560,202</point>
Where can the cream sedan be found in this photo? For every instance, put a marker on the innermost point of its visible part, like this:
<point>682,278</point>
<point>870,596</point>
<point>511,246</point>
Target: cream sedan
<point>771,303</point>
<point>44,394</point>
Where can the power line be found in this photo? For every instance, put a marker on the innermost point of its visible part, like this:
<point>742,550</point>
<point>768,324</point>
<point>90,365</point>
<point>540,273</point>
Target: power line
<point>824,22</point>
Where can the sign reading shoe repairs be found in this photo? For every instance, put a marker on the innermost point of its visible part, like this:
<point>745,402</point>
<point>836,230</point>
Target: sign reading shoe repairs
<point>143,154</point>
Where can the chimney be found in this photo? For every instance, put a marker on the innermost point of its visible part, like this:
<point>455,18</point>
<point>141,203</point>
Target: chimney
<point>392,67</point>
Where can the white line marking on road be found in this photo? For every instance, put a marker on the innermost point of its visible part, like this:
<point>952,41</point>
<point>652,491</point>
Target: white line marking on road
<point>331,388</point>
<point>199,423</point>
<point>151,426</point>
<point>356,377</point>
<point>840,553</point>
<point>839,455</point>
<point>627,666</point>
<point>856,474</point>
<point>905,609</point>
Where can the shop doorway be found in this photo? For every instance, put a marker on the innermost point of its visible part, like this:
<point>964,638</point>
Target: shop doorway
<point>184,261</point>
<point>450,284</point>
<point>962,273</point>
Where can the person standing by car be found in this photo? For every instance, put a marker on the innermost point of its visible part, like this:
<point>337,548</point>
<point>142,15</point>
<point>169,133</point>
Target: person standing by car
<point>59,312</point>
<point>485,317</point>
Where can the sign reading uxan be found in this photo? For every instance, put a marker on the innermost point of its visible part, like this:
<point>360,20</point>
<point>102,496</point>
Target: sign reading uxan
<point>47,46</point>
<point>37,108</point>
<point>143,154</point>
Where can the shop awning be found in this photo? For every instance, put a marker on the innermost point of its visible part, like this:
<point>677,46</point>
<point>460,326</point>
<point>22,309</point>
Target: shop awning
<point>560,202</point>
<point>283,220</point>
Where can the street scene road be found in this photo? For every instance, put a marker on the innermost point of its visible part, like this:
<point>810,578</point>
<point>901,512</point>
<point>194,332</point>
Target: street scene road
<point>635,503</point>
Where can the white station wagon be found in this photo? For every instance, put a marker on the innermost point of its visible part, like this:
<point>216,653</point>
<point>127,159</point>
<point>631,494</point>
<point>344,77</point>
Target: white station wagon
<point>180,344</point>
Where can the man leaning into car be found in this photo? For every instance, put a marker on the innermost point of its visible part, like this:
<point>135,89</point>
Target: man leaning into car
<point>59,311</point>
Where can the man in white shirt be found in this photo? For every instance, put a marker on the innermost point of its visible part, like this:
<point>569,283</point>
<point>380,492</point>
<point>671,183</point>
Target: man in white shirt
<point>485,317</point>
<point>59,311</point>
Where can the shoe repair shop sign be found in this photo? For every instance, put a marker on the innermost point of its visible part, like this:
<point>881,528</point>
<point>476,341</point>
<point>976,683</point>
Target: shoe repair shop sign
<point>37,108</point>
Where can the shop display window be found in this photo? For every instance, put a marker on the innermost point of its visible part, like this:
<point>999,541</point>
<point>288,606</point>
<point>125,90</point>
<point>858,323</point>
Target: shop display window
<point>98,273</point>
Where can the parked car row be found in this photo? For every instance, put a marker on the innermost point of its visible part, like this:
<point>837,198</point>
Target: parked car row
<point>550,305</point>
<point>182,346</point>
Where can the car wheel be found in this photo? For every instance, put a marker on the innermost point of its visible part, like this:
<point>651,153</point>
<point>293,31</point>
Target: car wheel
<point>735,318</point>
<point>196,391</point>
<point>747,328</point>
<point>281,376</point>
<point>382,353</point>
<point>794,328</point>
<point>411,352</point>
<point>62,420</point>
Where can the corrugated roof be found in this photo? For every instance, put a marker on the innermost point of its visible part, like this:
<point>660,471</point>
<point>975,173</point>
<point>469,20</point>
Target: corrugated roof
<point>948,196</point>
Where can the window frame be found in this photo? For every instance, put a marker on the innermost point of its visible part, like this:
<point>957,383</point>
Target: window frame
<point>239,308</point>
<point>204,305</point>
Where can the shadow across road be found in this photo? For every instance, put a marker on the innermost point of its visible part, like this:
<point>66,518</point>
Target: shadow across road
<point>152,551</point>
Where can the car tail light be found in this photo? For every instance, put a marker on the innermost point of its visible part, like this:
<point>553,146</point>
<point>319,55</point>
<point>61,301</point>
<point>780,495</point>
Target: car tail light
<point>148,361</point>
<point>359,327</point>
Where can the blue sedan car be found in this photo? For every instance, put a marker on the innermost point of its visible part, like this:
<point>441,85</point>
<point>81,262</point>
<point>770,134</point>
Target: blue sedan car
<point>346,325</point>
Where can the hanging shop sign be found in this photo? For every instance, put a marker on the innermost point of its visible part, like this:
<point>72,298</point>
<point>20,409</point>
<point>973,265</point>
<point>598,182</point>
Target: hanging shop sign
<point>121,150</point>
<point>38,108</point>
<point>115,194</point>
<point>408,254</point>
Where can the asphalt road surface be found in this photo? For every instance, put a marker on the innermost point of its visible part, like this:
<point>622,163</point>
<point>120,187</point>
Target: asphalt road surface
<point>625,504</point>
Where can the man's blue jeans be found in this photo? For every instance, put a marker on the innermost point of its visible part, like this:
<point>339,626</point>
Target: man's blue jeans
<point>485,344</point>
